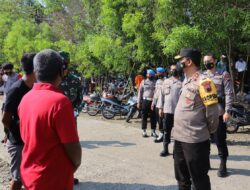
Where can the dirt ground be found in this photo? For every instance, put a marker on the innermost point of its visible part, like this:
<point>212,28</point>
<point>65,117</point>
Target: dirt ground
<point>116,157</point>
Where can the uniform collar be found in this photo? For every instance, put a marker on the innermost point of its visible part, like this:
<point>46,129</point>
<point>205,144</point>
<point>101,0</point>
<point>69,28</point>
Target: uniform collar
<point>150,80</point>
<point>45,86</point>
<point>174,79</point>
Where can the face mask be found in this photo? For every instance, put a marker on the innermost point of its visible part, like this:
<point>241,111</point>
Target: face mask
<point>209,65</point>
<point>8,73</point>
<point>160,76</point>
<point>174,73</point>
<point>180,65</point>
<point>151,78</point>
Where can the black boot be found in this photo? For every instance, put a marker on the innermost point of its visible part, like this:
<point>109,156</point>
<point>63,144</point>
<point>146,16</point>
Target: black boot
<point>222,172</point>
<point>165,152</point>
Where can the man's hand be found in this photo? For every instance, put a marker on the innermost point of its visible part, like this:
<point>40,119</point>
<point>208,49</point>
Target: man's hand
<point>161,112</point>
<point>74,152</point>
<point>139,106</point>
<point>226,117</point>
<point>6,119</point>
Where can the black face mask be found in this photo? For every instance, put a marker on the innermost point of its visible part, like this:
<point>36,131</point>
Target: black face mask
<point>8,73</point>
<point>209,65</point>
<point>160,76</point>
<point>174,73</point>
<point>180,66</point>
<point>151,78</point>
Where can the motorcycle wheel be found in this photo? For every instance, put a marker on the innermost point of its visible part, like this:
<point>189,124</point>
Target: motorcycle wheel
<point>107,114</point>
<point>130,114</point>
<point>93,109</point>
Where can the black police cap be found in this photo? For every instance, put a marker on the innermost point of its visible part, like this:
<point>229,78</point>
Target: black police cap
<point>193,54</point>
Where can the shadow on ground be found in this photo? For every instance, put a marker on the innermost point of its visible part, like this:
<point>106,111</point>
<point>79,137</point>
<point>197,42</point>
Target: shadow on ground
<point>243,172</point>
<point>244,130</point>
<point>121,186</point>
<point>238,143</point>
<point>233,157</point>
<point>98,144</point>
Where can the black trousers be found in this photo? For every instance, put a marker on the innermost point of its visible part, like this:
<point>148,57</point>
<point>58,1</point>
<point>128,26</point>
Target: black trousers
<point>191,164</point>
<point>146,111</point>
<point>168,123</point>
<point>159,119</point>
<point>220,137</point>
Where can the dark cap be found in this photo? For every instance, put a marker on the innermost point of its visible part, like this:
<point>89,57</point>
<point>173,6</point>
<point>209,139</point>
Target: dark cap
<point>193,54</point>
<point>64,55</point>
<point>7,66</point>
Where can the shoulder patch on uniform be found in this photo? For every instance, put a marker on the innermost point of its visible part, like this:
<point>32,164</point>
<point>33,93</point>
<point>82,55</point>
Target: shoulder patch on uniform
<point>207,86</point>
<point>208,92</point>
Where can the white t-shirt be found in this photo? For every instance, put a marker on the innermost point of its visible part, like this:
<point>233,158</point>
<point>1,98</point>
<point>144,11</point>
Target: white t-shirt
<point>241,66</point>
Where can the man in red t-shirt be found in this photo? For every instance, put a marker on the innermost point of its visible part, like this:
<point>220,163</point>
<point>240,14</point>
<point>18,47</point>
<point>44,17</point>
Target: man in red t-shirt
<point>51,152</point>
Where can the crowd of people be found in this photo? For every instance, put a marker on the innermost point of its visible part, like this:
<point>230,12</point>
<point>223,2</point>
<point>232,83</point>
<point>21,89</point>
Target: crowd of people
<point>40,122</point>
<point>40,112</point>
<point>201,102</point>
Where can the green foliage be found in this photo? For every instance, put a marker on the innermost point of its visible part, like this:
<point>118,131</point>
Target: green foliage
<point>184,36</point>
<point>112,36</point>
<point>19,40</point>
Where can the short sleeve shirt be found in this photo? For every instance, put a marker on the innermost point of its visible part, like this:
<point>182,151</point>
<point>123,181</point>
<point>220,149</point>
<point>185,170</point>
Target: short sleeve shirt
<point>46,123</point>
<point>9,81</point>
<point>13,98</point>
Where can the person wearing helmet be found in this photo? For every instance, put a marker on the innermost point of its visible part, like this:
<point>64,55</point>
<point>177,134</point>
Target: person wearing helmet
<point>145,98</point>
<point>161,77</point>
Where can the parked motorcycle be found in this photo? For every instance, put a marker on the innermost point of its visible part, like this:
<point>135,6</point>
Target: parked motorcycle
<point>92,104</point>
<point>113,107</point>
<point>240,116</point>
<point>133,107</point>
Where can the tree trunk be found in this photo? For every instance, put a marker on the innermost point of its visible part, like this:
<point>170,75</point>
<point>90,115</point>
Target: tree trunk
<point>230,60</point>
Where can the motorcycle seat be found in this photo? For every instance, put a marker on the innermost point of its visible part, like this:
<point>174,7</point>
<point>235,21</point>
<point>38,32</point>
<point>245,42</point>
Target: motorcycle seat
<point>238,106</point>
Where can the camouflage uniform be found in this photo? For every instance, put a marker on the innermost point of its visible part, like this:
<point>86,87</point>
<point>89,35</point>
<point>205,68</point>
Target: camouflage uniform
<point>72,88</point>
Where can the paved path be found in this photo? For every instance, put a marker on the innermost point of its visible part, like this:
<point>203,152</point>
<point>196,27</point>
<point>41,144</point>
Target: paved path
<point>116,157</point>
